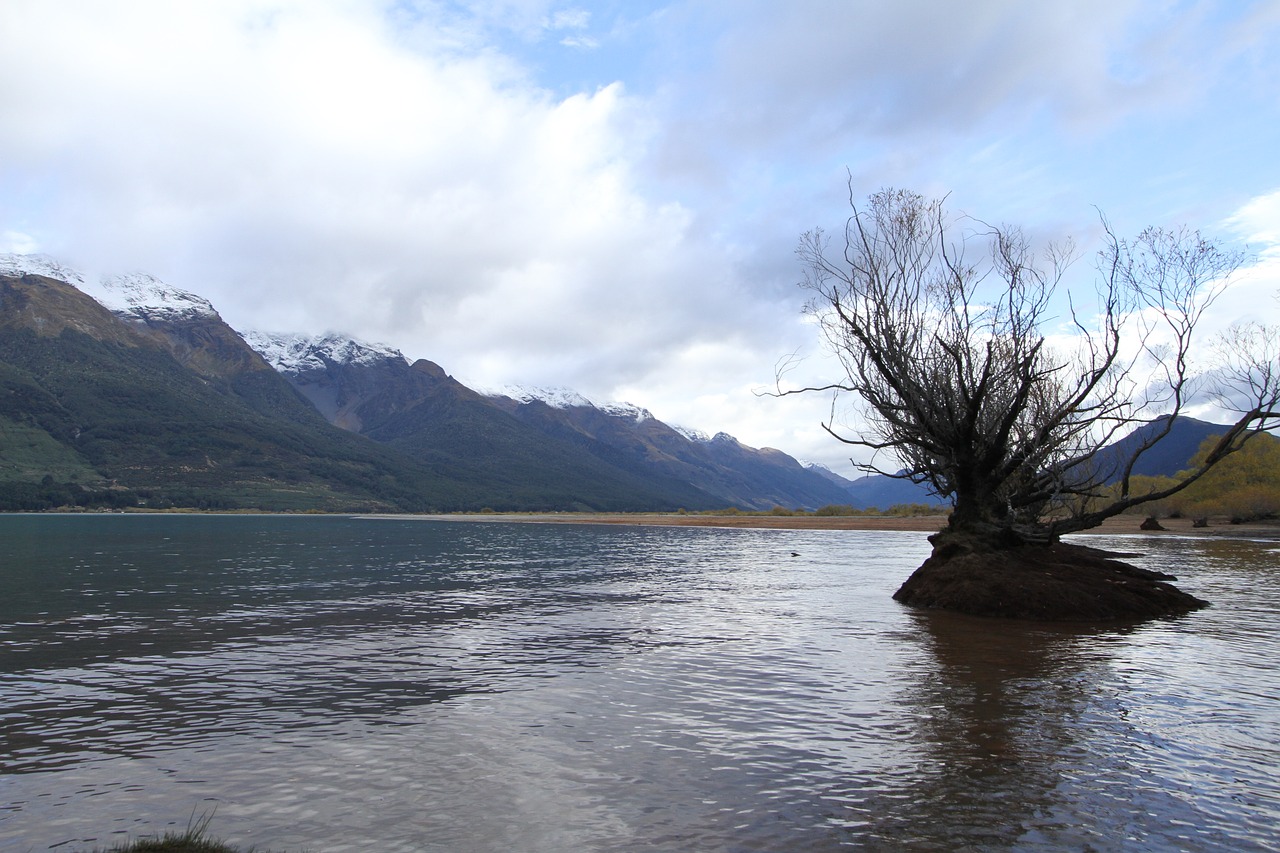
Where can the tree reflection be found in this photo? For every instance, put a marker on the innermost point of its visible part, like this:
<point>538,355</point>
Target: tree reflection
<point>1001,715</point>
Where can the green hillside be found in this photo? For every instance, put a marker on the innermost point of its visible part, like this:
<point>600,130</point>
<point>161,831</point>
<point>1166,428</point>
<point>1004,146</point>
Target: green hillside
<point>143,424</point>
<point>521,466</point>
<point>99,411</point>
<point>95,413</point>
<point>419,410</point>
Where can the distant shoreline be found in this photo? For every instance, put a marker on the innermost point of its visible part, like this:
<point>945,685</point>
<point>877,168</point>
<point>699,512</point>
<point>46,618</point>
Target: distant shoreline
<point>924,523</point>
<point>1115,526</point>
<point>1121,525</point>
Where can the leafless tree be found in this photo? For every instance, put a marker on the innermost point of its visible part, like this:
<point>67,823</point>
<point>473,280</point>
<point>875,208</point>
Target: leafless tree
<point>983,379</point>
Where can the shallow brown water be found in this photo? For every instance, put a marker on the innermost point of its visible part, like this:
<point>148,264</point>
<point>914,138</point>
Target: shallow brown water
<point>341,684</point>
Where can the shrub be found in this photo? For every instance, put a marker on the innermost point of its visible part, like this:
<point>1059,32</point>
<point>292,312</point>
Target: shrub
<point>837,510</point>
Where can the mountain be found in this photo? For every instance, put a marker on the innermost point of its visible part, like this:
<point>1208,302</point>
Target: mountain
<point>185,324</point>
<point>521,443</point>
<point>138,407</point>
<point>188,327</point>
<point>879,491</point>
<point>169,404</point>
<point>427,415</point>
<point>1166,458</point>
<point>631,438</point>
<point>1171,455</point>
<point>335,375</point>
<point>127,390</point>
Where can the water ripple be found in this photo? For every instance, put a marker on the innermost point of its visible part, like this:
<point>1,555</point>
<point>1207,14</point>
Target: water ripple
<point>339,684</point>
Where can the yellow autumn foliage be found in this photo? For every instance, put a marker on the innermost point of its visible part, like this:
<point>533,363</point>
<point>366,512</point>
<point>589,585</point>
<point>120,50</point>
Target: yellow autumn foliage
<point>1244,486</point>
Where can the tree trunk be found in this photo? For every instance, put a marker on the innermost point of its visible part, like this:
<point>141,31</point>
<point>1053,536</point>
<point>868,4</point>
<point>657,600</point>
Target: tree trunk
<point>983,522</point>
<point>976,510</point>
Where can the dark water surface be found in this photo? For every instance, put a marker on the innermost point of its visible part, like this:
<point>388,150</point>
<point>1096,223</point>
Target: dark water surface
<point>398,685</point>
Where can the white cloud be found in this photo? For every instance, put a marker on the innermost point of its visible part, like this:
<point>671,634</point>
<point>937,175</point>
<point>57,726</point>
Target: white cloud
<point>310,154</point>
<point>1258,222</point>
<point>418,173</point>
<point>570,19</point>
<point>17,243</point>
<point>1254,295</point>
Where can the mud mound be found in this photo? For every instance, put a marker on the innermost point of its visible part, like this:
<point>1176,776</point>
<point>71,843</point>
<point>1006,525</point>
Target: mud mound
<point>1057,582</point>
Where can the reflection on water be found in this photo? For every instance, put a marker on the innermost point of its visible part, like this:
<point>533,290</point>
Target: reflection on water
<point>999,714</point>
<point>346,684</point>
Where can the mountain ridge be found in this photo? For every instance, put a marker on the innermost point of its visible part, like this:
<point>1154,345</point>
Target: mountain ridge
<point>483,450</point>
<point>184,401</point>
<point>133,425</point>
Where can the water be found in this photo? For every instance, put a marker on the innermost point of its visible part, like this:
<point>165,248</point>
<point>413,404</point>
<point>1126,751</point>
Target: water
<point>396,685</point>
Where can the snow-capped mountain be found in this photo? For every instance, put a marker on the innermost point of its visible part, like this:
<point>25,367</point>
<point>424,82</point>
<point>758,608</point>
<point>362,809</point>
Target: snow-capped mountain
<point>631,438</point>
<point>509,447</point>
<point>135,296</point>
<point>566,398</point>
<point>697,436</point>
<point>141,296</point>
<point>372,390</point>
<point>354,384</point>
<point>16,264</point>
<point>300,353</point>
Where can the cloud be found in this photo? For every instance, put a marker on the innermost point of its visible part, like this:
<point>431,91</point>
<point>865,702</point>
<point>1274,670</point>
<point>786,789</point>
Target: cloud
<point>836,76</point>
<point>1254,295</point>
<point>306,165</point>
<point>1258,222</point>
<point>1008,106</point>
<point>581,193</point>
<point>16,242</point>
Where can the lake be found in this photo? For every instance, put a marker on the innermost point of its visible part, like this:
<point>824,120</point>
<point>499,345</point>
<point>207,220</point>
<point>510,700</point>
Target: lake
<point>347,684</point>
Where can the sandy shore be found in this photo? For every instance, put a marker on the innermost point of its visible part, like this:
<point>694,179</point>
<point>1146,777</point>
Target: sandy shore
<point>925,524</point>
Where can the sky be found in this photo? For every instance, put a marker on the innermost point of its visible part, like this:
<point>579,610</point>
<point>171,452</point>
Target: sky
<point>607,196</point>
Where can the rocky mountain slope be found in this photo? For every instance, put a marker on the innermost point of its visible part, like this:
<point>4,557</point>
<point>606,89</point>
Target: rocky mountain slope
<point>632,439</point>
<point>554,438</point>
<point>170,405</point>
<point>424,413</point>
<point>99,408</point>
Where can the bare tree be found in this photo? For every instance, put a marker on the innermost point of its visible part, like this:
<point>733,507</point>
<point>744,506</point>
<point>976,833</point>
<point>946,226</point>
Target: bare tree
<point>983,380</point>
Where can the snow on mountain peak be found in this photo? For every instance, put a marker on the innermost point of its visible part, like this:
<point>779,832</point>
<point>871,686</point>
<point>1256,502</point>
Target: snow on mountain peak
<point>695,435</point>
<point>566,398</point>
<point>142,296</point>
<point>136,296</point>
<point>556,398</point>
<point>301,353</point>
<point>625,410</point>
<point>15,264</point>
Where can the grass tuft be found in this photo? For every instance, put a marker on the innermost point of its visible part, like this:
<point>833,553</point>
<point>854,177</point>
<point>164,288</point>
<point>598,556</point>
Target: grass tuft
<point>175,842</point>
<point>195,839</point>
